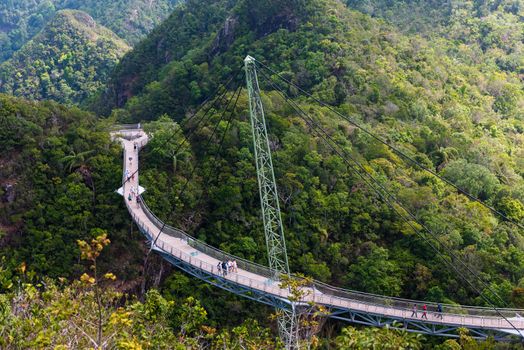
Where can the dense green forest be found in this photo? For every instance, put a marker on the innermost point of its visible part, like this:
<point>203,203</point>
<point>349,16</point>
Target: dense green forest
<point>58,176</point>
<point>484,31</point>
<point>458,118</point>
<point>20,20</point>
<point>91,312</point>
<point>59,170</point>
<point>57,205</point>
<point>69,60</point>
<point>412,16</point>
<point>445,88</point>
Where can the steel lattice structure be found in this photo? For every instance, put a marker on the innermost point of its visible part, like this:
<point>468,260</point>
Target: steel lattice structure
<point>260,283</point>
<point>273,228</point>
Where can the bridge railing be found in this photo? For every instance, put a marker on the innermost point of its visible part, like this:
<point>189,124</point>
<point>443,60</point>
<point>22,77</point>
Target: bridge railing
<point>204,247</point>
<point>139,145</point>
<point>195,260</point>
<point>365,301</point>
<point>118,127</point>
<point>130,134</point>
<point>408,304</point>
<point>327,292</point>
<point>372,299</point>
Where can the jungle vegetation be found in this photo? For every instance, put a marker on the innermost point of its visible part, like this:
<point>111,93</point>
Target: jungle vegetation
<point>451,98</point>
<point>68,61</point>
<point>431,98</point>
<point>21,20</point>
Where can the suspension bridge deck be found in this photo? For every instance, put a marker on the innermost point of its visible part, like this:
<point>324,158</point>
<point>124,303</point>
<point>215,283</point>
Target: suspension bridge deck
<point>253,281</point>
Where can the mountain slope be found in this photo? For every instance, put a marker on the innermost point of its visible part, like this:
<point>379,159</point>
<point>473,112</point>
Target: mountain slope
<point>58,170</point>
<point>129,19</point>
<point>197,33</point>
<point>414,16</point>
<point>493,31</point>
<point>459,117</point>
<point>20,20</point>
<point>69,60</point>
<point>189,29</point>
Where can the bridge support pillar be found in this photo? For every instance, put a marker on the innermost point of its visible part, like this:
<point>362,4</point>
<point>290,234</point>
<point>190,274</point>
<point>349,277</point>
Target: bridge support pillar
<point>273,228</point>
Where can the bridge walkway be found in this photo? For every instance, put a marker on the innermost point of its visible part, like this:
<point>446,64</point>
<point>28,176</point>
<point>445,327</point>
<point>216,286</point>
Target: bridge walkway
<point>201,260</point>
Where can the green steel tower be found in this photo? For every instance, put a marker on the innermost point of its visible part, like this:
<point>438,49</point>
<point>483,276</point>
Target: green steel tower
<point>273,229</point>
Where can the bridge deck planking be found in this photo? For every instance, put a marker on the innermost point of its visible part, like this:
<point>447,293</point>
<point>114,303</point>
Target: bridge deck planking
<point>180,249</point>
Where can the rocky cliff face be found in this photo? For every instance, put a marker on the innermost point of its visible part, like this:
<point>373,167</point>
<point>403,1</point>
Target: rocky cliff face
<point>283,16</point>
<point>225,36</point>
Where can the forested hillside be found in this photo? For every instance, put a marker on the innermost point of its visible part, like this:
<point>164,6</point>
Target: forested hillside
<point>57,177</point>
<point>452,99</point>
<point>69,60</point>
<point>413,16</point>
<point>132,20</point>
<point>57,210</point>
<point>492,32</point>
<point>20,20</point>
<point>461,119</point>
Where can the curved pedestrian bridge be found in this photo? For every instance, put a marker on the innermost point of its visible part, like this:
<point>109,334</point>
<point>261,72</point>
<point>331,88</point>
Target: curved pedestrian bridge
<point>254,281</point>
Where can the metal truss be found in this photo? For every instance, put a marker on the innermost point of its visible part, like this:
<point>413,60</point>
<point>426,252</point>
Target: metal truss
<point>414,326</point>
<point>352,316</point>
<point>273,228</point>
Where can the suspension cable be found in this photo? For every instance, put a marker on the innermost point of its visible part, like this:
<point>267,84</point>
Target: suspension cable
<point>322,133</point>
<point>215,98</point>
<point>382,187</point>
<point>221,143</point>
<point>395,149</point>
<point>199,122</point>
<point>184,187</point>
<point>214,95</point>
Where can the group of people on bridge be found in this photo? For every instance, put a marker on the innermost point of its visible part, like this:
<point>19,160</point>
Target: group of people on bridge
<point>134,194</point>
<point>224,267</point>
<point>437,314</point>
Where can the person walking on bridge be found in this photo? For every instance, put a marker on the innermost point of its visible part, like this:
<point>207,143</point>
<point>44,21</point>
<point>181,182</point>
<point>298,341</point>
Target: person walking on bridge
<point>224,268</point>
<point>439,311</point>
<point>414,313</point>
<point>219,268</point>
<point>425,311</point>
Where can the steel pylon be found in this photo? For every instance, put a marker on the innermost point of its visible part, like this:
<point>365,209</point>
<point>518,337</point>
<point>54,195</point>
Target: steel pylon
<point>273,229</point>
